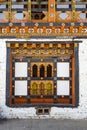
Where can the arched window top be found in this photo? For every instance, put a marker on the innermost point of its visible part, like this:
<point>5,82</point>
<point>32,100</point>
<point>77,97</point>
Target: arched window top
<point>42,71</point>
<point>34,65</point>
<point>41,65</point>
<point>48,86</point>
<point>34,86</point>
<point>35,70</point>
<point>49,66</point>
<point>49,70</point>
<point>42,85</point>
<point>34,89</point>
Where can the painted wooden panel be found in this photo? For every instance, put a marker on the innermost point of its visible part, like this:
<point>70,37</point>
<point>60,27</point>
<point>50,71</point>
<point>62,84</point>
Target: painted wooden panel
<point>62,69</point>
<point>64,100</point>
<point>63,88</point>
<point>20,88</point>
<point>20,100</point>
<point>20,69</point>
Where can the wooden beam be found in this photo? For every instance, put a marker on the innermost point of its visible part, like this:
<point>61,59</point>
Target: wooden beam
<point>51,10</point>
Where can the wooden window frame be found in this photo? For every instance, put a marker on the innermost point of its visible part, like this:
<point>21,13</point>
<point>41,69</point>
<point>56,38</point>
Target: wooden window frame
<point>53,100</point>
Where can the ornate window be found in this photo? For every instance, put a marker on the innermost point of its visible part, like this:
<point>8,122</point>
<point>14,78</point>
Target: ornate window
<point>49,79</point>
<point>35,70</point>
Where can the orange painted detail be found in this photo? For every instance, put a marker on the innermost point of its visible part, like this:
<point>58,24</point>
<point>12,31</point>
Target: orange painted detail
<point>41,100</point>
<point>63,100</point>
<point>51,10</point>
<point>20,100</point>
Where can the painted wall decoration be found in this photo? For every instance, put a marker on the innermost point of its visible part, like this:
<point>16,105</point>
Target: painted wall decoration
<point>41,72</point>
<point>49,18</point>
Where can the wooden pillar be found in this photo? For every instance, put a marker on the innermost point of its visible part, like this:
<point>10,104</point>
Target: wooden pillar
<point>51,10</point>
<point>29,10</point>
<point>73,80</point>
<point>9,10</point>
<point>73,10</point>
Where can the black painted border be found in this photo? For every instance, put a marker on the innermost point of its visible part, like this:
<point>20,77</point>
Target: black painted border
<point>40,41</point>
<point>76,66</point>
<point>46,24</point>
<point>8,77</point>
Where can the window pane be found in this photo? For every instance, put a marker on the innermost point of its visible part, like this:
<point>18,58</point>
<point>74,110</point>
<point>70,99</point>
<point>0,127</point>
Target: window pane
<point>49,71</point>
<point>81,6</point>
<point>34,89</point>
<point>35,71</point>
<point>62,69</point>
<point>62,88</point>
<point>49,89</point>
<point>17,6</point>
<point>1,16</point>
<point>21,88</point>
<point>41,88</point>
<point>20,69</point>
<point>62,6</point>
<point>42,71</point>
<point>19,16</point>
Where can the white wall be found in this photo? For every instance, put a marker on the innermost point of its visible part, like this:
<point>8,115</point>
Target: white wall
<point>74,113</point>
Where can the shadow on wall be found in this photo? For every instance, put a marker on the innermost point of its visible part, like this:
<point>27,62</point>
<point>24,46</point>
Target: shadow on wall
<point>2,117</point>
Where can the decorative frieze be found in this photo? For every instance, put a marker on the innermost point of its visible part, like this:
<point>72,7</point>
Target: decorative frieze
<point>20,32</point>
<point>41,49</point>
